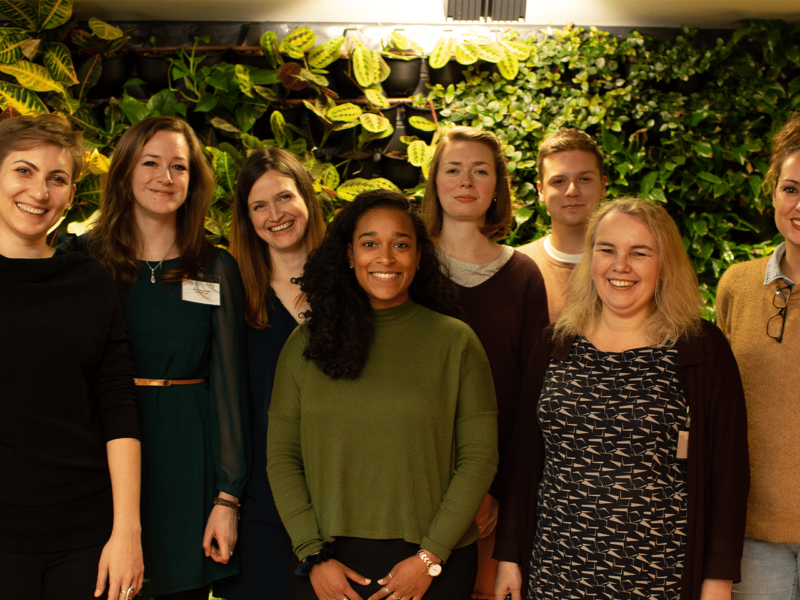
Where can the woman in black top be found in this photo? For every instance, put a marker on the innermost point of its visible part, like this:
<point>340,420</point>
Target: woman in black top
<point>69,449</point>
<point>277,222</point>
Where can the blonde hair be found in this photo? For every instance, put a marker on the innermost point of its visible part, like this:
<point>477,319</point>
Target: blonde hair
<point>500,214</point>
<point>677,302</point>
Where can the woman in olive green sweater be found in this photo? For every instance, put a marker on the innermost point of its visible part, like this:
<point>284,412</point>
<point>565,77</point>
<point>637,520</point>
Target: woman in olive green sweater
<point>382,428</point>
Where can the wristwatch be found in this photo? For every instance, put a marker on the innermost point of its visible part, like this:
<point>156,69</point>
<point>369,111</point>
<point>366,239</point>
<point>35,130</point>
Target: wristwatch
<point>433,568</point>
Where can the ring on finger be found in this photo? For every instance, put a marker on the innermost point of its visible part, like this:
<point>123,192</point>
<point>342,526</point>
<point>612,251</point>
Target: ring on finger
<point>390,575</point>
<point>386,589</point>
<point>128,592</point>
<point>395,597</point>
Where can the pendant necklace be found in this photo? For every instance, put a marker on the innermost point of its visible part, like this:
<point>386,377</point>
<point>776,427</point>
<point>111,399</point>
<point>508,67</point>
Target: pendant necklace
<point>153,269</point>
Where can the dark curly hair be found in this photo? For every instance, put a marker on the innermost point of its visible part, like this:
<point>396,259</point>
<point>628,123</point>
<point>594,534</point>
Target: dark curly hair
<point>341,322</point>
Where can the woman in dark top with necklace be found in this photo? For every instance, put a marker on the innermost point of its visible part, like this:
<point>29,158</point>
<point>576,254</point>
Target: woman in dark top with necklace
<point>629,474</point>
<point>277,222</point>
<point>69,448</point>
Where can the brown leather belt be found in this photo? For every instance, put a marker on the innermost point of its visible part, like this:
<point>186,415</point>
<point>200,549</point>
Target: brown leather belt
<point>166,382</point>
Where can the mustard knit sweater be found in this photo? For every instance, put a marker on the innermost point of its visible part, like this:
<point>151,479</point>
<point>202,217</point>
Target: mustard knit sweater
<point>405,451</point>
<point>771,380</point>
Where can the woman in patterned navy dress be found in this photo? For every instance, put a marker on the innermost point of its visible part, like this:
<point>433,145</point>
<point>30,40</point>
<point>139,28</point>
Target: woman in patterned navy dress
<point>630,471</point>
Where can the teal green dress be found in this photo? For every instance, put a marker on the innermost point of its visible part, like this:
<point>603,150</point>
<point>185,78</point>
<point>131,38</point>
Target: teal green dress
<point>195,438</point>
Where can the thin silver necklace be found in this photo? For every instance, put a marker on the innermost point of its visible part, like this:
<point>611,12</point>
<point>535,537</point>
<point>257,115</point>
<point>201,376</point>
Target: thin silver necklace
<point>153,269</point>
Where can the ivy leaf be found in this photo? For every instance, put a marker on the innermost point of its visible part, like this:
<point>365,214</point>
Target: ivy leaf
<point>709,177</point>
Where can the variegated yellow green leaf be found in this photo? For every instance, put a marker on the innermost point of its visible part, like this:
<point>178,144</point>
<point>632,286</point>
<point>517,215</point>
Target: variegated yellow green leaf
<point>89,191</point>
<point>491,53</point>
<point>441,53</point>
<point>419,153</point>
<point>329,177</point>
<point>103,30</point>
<point>58,61</point>
<point>374,123</point>
<point>376,98</point>
<point>508,65</point>
<point>382,69</point>
<point>317,110</point>
<point>302,38</point>
<point>53,13</point>
<point>98,164</point>
<point>11,41</point>
<point>467,53</point>
<point>243,79</point>
<point>298,146</point>
<point>224,125</point>
<point>225,167</point>
<point>399,40</point>
<point>422,124</point>
<point>307,75</point>
<point>270,47</point>
<point>20,100</point>
<point>278,124</point>
<point>346,125</point>
<point>324,54</point>
<point>22,13</point>
<point>520,49</point>
<point>347,112</point>
<point>353,187</point>
<point>33,77</point>
<point>65,104</point>
<point>364,68</point>
<point>291,51</point>
<point>88,75</point>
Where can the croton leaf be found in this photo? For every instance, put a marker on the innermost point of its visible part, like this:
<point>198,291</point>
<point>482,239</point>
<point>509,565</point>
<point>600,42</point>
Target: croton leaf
<point>32,76</point>
<point>53,13</point>
<point>103,30</point>
<point>59,63</point>
<point>20,100</point>
<point>21,13</point>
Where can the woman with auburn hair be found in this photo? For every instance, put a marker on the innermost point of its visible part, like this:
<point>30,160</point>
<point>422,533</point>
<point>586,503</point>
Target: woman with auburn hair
<point>69,447</point>
<point>629,475</point>
<point>467,206</point>
<point>277,222</point>
<point>760,315</point>
<point>382,435</point>
<point>183,302</point>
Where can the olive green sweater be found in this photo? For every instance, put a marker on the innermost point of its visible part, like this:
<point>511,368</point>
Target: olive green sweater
<point>770,378</point>
<point>405,451</point>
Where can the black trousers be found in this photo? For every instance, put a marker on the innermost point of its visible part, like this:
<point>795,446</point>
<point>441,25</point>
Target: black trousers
<point>375,558</point>
<point>67,575</point>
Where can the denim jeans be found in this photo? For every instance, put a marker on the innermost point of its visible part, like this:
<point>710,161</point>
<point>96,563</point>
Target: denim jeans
<point>769,571</point>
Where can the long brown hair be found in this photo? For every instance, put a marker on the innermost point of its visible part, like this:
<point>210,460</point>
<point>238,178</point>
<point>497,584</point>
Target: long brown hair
<point>677,302</point>
<point>499,215</point>
<point>114,239</point>
<point>248,249</point>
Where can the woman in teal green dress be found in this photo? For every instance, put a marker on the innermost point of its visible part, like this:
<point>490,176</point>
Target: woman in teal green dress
<point>183,301</point>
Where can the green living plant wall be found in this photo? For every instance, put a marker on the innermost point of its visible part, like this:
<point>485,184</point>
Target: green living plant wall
<point>684,122</point>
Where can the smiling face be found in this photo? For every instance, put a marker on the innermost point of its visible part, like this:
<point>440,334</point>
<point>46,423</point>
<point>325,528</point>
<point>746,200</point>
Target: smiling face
<point>160,179</point>
<point>571,187</point>
<point>466,181</point>
<point>35,188</point>
<point>625,266</point>
<point>786,200</point>
<point>278,212</point>
<point>384,255</point>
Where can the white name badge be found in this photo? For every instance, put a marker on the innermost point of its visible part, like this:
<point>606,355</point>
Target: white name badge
<point>202,292</point>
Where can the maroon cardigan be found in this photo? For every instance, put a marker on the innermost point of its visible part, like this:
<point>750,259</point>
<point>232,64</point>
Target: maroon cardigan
<point>718,470</point>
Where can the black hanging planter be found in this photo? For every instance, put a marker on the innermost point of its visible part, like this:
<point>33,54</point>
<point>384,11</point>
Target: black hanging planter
<point>451,73</point>
<point>403,77</point>
<point>115,70</point>
<point>345,86</point>
<point>396,168</point>
<point>152,67</point>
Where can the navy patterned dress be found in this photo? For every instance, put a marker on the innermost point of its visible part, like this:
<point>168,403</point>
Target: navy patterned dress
<point>613,496</point>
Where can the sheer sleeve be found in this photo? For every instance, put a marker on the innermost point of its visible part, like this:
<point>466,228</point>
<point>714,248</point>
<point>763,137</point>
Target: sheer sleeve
<point>228,379</point>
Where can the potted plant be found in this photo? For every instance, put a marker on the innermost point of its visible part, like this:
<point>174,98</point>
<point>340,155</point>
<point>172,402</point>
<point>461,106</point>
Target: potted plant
<point>395,165</point>
<point>106,42</point>
<point>152,62</point>
<point>360,72</point>
<point>404,58</point>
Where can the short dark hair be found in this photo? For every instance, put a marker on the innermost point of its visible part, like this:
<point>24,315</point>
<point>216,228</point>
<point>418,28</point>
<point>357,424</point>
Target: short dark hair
<point>567,139</point>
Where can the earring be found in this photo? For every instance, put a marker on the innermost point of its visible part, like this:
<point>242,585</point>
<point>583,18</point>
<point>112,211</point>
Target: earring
<point>494,199</point>
<point>417,268</point>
